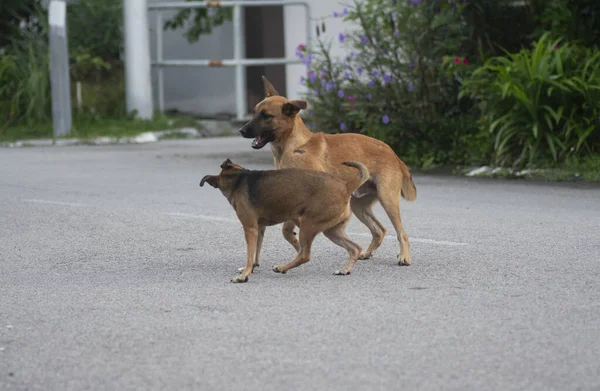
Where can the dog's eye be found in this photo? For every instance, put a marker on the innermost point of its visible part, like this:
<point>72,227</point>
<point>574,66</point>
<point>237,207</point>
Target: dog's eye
<point>265,115</point>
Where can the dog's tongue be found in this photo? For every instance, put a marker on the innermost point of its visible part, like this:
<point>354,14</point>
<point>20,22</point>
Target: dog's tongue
<point>257,141</point>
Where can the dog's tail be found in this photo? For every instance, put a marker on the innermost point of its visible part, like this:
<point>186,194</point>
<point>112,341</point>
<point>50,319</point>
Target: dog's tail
<point>409,190</point>
<point>364,175</point>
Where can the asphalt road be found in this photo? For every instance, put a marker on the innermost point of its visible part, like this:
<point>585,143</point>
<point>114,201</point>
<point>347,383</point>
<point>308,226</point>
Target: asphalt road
<point>115,269</point>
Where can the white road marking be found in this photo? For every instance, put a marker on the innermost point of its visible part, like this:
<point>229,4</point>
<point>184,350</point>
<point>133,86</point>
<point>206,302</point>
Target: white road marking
<point>203,217</point>
<point>417,240</point>
<point>54,202</point>
<point>228,220</point>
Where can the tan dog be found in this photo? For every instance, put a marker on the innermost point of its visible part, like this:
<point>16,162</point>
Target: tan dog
<point>276,121</point>
<point>315,201</point>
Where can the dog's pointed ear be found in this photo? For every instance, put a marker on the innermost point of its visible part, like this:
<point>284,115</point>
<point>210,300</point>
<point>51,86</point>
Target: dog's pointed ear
<point>293,107</point>
<point>269,89</point>
<point>211,179</point>
<point>226,164</point>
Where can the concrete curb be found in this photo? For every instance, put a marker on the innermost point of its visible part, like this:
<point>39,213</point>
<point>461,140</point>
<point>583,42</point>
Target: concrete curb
<point>491,172</point>
<point>146,137</point>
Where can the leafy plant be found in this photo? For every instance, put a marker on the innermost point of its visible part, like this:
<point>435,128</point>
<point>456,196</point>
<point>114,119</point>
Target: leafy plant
<point>199,20</point>
<point>24,77</point>
<point>541,104</point>
<point>95,29</point>
<point>400,81</point>
<point>573,20</point>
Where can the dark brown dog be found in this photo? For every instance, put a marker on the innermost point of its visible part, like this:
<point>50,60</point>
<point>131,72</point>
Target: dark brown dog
<point>276,121</point>
<point>315,201</point>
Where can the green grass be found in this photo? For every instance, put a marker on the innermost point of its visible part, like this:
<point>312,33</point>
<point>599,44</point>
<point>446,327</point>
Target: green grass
<point>86,127</point>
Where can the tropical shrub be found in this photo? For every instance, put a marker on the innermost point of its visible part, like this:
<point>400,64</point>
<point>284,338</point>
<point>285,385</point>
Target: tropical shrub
<point>540,105</point>
<point>400,81</point>
<point>24,76</point>
<point>573,20</point>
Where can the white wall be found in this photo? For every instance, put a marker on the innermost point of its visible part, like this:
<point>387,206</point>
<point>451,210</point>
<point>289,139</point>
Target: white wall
<point>295,34</point>
<point>199,90</point>
<point>211,91</point>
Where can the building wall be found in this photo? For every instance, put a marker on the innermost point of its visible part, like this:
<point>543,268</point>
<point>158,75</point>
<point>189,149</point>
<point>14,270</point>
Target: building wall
<point>211,91</point>
<point>296,34</point>
<point>198,90</point>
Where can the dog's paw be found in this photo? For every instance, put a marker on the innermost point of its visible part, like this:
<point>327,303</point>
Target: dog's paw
<point>341,273</point>
<point>278,269</point>
<point>403,261</point>
<point>365,256</point>
<point>239,279</point>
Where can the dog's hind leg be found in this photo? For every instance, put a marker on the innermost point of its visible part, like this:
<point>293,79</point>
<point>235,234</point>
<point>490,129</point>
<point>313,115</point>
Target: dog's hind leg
<point>337,235</point>
<point>363,209</point>
<point>251,234</point>
<point>307,235</point>
<point>289,235</point>
<point>390,200</point>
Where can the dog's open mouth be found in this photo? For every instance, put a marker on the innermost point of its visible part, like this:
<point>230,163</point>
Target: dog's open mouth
<point>259,142</point>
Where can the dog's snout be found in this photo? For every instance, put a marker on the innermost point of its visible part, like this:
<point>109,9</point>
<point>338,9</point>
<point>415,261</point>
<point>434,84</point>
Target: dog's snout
<point>246,130</point>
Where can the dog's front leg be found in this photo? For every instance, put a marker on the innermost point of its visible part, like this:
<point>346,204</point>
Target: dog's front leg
<point>251,234</point>
<point>259,240</point>
<point>261,235</point>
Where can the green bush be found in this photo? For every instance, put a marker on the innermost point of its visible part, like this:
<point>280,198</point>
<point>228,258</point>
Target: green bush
<point>400,82</point>
<point>541,105</point>
<point>25,79</point>
<point>573,20</point>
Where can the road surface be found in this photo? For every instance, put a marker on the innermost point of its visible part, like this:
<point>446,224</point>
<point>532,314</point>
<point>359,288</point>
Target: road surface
<point>115,269</point>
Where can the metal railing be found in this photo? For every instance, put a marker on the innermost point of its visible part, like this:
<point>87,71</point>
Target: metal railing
<point>238,61</point>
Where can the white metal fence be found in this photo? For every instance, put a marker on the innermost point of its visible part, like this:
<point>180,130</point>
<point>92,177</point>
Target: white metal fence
<point>238,61</point>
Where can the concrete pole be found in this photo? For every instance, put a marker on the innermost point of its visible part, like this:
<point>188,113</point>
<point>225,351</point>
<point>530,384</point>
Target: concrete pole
<point>60,82</point>
<point>138,85</point>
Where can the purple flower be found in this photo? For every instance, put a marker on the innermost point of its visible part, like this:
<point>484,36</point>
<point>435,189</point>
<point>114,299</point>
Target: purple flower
<point>347,75</point>
<point>370,96</point>
<point>359,70</point>
<point>387,78</point>
<point>307,59</point>
<point>328,87</point>
<point>302,80</point>
<point>342,126</point>
<point>323,82</point>
<point>299,54</point>
<point>353,54</point>
<point>316,92</point>
<point>341,93</point>
<point>345,12</point>
<point>414,2</point>
<point>375,73</point>
<point>312,76</point>
<point>335,14</point>
<point>341,37</point>
<point>385,119</point>
<point>371,83</point>
<point>363,40</point>
<point>411,87</point>
<point>351,98</point>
